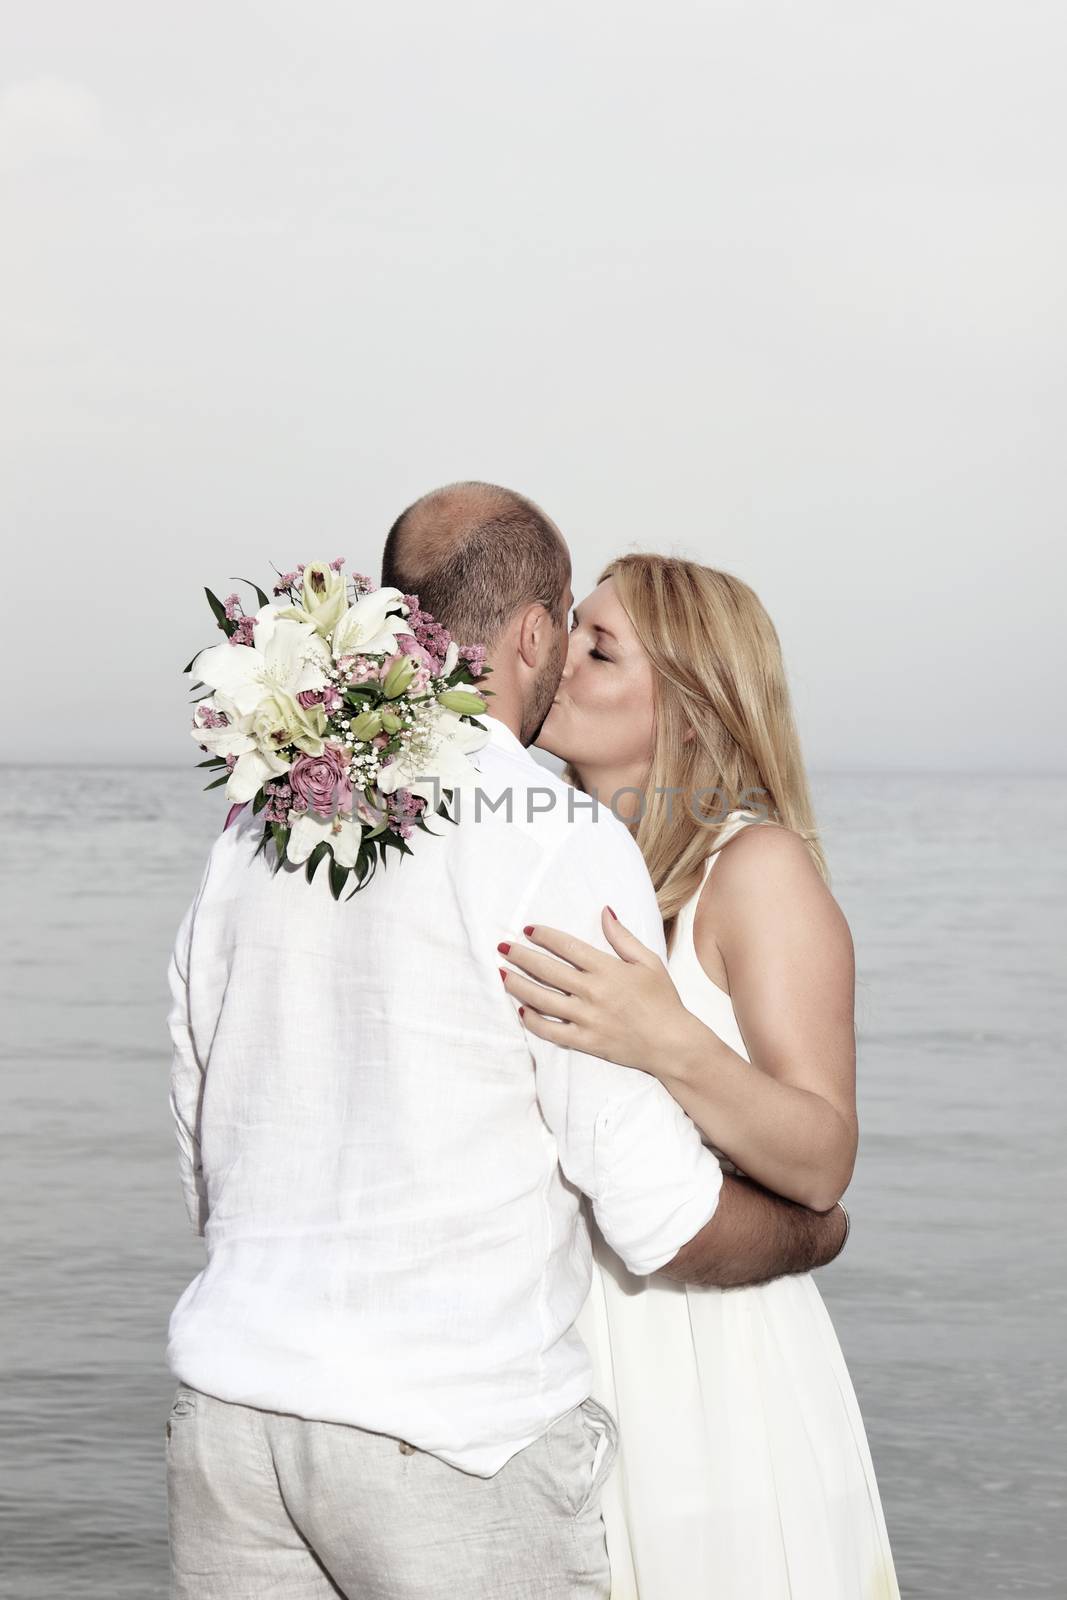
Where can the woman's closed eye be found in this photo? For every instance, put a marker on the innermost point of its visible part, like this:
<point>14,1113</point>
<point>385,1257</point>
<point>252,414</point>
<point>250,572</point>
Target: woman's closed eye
<point>597,655</point>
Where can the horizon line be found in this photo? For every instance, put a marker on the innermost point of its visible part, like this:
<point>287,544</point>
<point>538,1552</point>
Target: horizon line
<point>814,771</point>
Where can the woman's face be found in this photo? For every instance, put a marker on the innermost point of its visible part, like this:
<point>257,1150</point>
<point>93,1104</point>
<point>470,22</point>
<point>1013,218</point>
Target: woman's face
<point>602,717</point>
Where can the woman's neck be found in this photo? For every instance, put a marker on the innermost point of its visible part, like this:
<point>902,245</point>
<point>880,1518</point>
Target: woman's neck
<point>619,788</point>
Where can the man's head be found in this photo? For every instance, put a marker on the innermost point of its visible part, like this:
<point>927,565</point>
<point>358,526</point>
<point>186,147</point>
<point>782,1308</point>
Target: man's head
<point>493,570</point>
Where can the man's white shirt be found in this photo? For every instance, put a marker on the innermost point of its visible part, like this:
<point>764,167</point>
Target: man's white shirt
<point>386,1167</point>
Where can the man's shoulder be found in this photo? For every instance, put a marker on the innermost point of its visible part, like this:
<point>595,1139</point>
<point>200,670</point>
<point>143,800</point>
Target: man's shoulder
<point>538,800</point>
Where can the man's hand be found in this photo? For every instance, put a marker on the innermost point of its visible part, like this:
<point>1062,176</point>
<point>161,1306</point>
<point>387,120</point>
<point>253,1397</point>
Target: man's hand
<point>755,1236</point>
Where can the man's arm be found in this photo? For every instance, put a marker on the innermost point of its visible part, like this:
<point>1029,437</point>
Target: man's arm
<point>186,1080</point>
<point>755,1236</point>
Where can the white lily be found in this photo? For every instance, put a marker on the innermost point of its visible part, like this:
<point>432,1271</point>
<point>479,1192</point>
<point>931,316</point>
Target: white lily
<point>366,630</point>
<point>343,832</point>
<point>451,659</point>
<point>453,741</point>
<point>284,655</point>
<point>324,596</point>
<point>255,765</point>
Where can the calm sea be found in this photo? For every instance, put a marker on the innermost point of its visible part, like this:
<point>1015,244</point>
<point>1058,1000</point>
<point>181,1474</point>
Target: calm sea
<point>949,1301</point>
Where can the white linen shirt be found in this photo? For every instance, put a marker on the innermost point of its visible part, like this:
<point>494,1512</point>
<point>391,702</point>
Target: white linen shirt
<point>386,1167</point>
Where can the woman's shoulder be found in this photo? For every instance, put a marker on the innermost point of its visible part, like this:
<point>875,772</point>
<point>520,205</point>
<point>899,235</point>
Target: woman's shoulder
<point>763,848</point>
<point>765,865</point>
<point>766,888</point>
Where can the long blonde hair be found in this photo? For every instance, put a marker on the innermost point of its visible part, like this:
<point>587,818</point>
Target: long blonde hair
<point>719,670</point>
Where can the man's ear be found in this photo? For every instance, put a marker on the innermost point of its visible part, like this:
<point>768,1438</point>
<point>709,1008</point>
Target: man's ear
<point>535,620</point>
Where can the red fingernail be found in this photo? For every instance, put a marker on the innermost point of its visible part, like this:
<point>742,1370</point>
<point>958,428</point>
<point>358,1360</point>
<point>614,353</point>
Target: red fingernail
<point>505,949</point>
<point>613,914</point>
<point>522,1011</point>
<point>503,974</point>
<point>528,931</point>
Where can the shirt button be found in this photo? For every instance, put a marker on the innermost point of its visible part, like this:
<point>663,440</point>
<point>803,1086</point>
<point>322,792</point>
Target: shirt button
<point>406,1449</point>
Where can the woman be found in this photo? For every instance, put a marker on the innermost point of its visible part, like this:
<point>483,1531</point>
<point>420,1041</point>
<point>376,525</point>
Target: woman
<point>743,1471</point>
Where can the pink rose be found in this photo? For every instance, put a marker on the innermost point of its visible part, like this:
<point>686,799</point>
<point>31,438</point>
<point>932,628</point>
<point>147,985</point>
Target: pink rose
<point>321,782</point>
<point>408,645</point>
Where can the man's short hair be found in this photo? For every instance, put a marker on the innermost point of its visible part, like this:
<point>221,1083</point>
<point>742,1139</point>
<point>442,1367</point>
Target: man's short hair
<point>475,554</point>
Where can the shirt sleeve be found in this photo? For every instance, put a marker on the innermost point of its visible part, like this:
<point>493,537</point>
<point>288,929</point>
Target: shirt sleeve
<point>186,1078</point>
<point>622,1139</point>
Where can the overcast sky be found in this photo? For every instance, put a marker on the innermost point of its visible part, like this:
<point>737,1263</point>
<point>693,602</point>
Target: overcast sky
<point>780,287</point>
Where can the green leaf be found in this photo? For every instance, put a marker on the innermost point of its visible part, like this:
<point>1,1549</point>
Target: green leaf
<point>338,877</point>
<point>213,761</point>
<point>225,623</point>
<point>280,834</point>
<point>260,596</point>
<point>217,782</point>
<point>262,845</point>
<point>189,668</point>
<point>320,850</point>
<point>259,802</point>
<point>365,868</point>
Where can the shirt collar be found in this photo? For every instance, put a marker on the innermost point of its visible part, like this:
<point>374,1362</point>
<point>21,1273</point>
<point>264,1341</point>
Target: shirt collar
<point>502,736</point>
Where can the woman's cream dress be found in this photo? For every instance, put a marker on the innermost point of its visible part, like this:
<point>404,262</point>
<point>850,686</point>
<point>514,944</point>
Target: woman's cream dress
<point>743,1470</point>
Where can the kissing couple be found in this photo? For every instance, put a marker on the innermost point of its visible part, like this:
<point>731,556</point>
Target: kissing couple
<point>512,1167</point>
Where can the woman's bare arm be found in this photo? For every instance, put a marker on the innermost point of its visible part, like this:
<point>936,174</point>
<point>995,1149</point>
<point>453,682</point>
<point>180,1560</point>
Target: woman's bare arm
<point>770,926</point>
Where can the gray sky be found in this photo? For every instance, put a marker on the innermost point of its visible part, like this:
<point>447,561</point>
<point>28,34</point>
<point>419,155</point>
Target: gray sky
<point>779,287</point>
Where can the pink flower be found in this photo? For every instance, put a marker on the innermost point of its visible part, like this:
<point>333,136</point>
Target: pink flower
<point>208,717</point>
<point>474,656</point>
<point>434,638</point>
<point>357,669</point>
<point>242,634</point>
<point>408,645</point>
<point>310,697</point>
<point>403,808</point>
<point>279,798</point>
<point>321,782</point>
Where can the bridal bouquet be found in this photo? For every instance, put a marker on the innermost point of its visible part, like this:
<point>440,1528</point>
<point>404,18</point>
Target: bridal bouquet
<point>342,712</point>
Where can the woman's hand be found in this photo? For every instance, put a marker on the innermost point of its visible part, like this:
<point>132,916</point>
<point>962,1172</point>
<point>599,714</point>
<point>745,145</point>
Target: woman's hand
<point>624,1007</point>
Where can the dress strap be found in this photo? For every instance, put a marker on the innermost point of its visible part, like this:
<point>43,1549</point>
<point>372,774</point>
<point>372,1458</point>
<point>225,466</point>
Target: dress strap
<point>733,824</point>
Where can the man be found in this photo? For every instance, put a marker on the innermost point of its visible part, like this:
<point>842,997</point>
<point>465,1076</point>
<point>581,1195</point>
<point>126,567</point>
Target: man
<point>382,1393</point>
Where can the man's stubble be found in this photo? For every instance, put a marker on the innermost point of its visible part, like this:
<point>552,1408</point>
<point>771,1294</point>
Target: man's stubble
<point>544,692</point>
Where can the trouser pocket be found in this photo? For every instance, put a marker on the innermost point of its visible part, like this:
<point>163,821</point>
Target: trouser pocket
<point>184,1405</point>
<point>583,1447</point>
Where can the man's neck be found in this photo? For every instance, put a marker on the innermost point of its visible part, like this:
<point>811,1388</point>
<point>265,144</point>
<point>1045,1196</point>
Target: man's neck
<point>508,715</point>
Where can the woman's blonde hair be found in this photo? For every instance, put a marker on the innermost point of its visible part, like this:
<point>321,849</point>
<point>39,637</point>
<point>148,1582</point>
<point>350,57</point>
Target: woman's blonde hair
<point>719,671</point>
